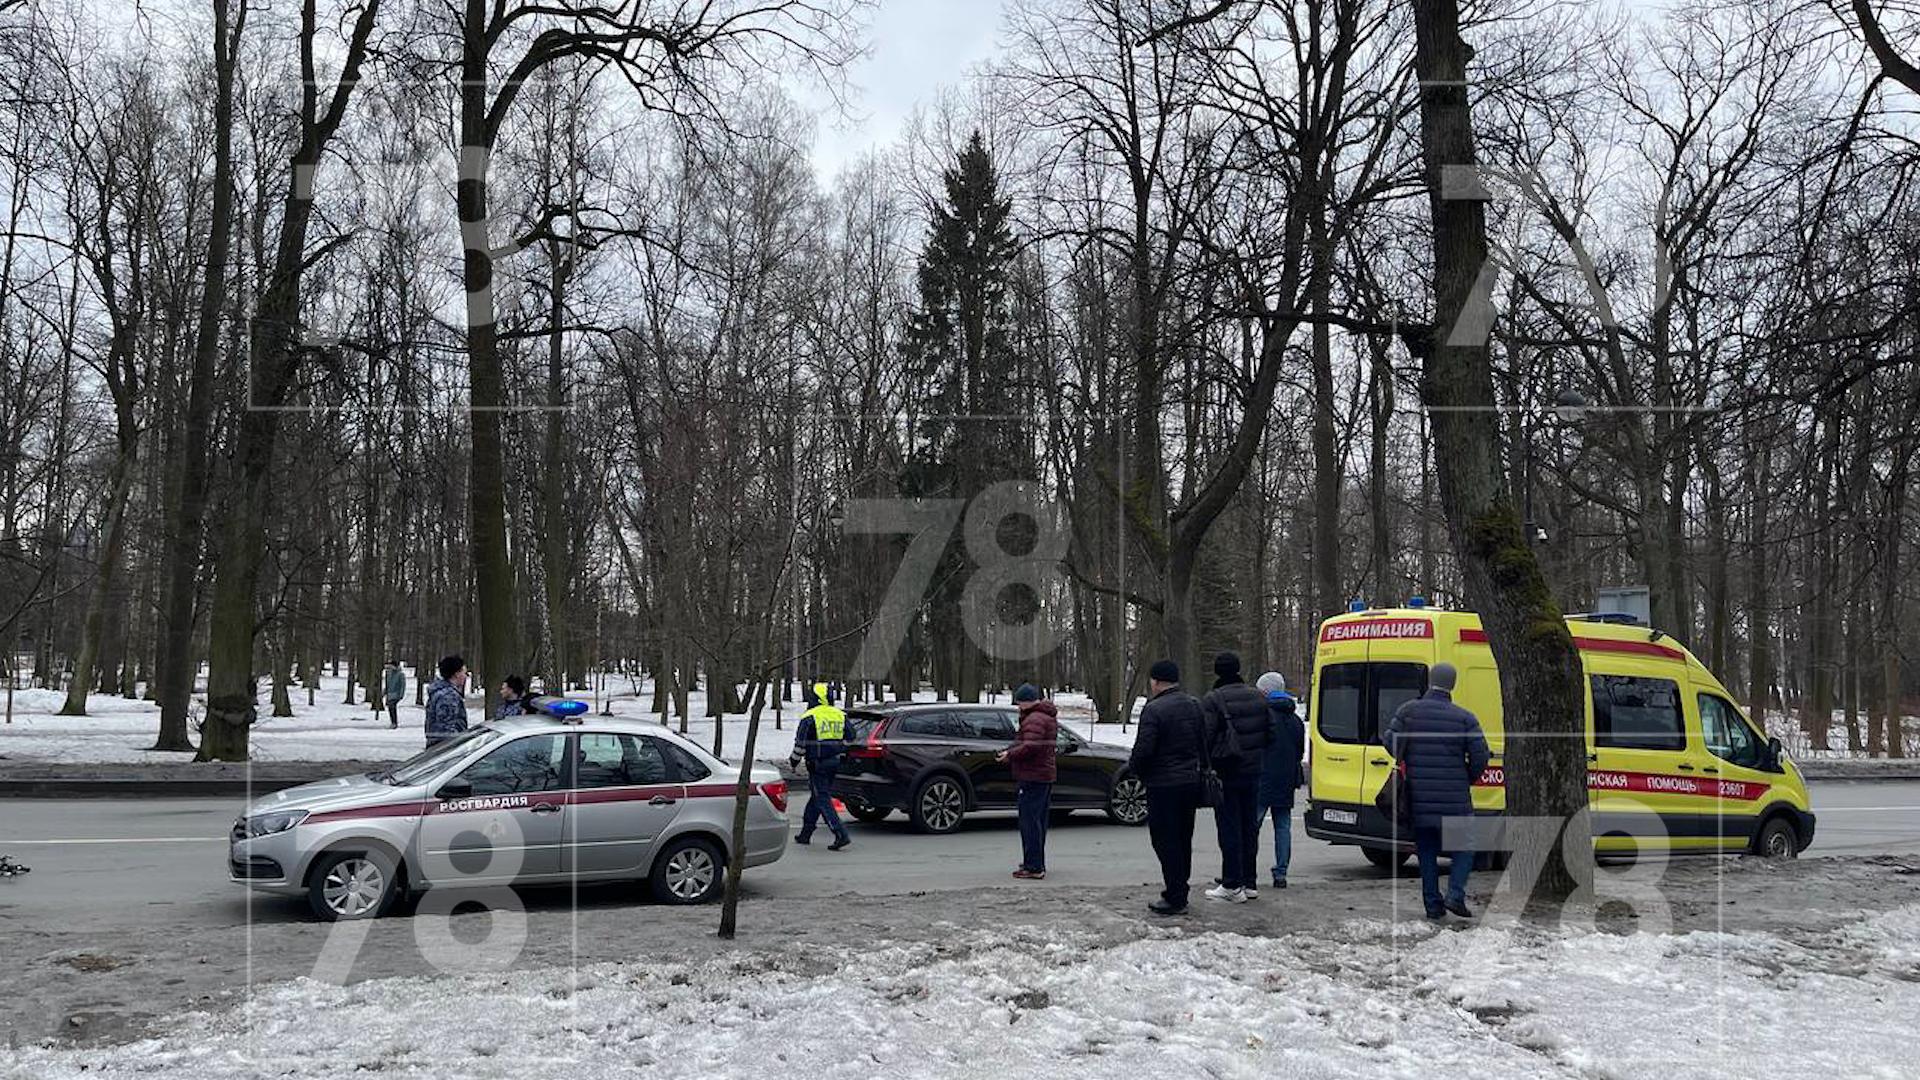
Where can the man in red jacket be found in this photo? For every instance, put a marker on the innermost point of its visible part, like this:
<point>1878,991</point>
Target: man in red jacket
<point>1032,758</point>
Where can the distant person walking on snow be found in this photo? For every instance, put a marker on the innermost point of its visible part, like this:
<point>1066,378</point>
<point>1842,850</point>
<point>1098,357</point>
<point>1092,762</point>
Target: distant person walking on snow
<point>395,688</point>
<point>1167,755</point>
<point>819,741</point>
<point>1443,750</point>
<point>447,701</point>
<point>513,697</point>
<point>1282,775</point>
<point>1032,756</point>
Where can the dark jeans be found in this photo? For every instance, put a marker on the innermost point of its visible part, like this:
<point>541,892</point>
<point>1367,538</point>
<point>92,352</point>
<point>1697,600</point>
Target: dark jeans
<point>820,803</point>
<point>1036,804</point>
<point>1170,825</point>
<point>1426,844</point>
<point>1282,841</point>
<point>1236,821</point>
<point>393,711</point>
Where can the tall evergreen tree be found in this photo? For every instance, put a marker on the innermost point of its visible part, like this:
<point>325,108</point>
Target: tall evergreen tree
<point>960,355</point>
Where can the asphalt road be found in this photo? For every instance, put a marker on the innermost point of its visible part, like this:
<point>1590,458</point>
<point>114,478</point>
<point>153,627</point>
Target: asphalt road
<point>139,862</point>
<point>127,919</point>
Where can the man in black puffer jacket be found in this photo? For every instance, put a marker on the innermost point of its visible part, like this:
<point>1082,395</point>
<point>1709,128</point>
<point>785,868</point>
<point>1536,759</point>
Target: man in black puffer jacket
<point>1443,751</point>
<point>1234,706</point>
<point>1166,757</point>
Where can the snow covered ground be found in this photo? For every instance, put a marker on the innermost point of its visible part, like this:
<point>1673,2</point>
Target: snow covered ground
<point>119,730</point>
<point>1370,1000</point>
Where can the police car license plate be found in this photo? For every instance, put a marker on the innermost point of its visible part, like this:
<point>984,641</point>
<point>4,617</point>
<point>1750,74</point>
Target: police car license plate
<point>1340,817</point>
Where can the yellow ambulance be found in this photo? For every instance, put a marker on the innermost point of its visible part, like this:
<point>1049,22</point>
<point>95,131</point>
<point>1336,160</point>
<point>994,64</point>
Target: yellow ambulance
<point>1674,766</point>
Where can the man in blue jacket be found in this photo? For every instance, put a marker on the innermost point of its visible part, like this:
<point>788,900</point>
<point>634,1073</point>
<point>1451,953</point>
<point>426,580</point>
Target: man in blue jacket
<point>1443,751</point>
<point>1282,774</point>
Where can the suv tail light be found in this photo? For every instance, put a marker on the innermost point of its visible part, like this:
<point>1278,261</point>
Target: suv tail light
<point>872,749</point>
<point>776,793</point>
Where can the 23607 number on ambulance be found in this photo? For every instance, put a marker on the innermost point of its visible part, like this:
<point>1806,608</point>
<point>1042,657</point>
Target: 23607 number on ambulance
<point>1674,766</point>
<point>522,800</point>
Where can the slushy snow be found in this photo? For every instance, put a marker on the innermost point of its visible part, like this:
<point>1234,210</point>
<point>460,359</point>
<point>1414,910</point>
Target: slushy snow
<point>1372,1000</point>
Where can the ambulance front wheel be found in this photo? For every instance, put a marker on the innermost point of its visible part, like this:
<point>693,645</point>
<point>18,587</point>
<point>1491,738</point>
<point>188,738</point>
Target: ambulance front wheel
<point>1777,839</point>
<point>1386,859</point>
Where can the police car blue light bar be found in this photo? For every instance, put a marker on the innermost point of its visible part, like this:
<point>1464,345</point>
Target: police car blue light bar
<point>561,708</point>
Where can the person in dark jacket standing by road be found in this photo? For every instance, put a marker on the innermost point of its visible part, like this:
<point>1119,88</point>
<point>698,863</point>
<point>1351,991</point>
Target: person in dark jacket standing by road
<point>820,740</point>
<point>1281,775</point>
<point>447,701</point>
<point>1167,754</point>
<point>393,689</point>
<point>1443,751</point>
<point>1032,757</point>
<point>1236,718</point>
<point>513,698</point>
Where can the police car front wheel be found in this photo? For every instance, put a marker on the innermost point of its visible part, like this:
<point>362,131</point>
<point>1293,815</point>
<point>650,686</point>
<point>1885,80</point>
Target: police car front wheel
<point>348,885</point>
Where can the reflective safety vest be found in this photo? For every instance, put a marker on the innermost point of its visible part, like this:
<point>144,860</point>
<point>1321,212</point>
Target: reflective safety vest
<point>829,723</point>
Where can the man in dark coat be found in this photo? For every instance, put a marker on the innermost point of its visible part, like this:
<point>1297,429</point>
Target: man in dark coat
<point>1282,775</point>
<point>1167,752</point>
<point>447,701</point>
<point>1236,718</point>
<point>1443,751</point>
<point>1034,769</point>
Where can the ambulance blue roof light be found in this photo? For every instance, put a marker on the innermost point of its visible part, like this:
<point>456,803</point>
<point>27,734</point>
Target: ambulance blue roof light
<point>1357,604</point>
<point>1416,602</point>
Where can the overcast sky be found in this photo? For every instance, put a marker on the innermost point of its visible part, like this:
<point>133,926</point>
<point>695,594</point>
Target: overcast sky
<point>918,46</point>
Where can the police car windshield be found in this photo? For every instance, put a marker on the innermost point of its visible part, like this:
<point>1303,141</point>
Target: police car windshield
<point>431,760</point>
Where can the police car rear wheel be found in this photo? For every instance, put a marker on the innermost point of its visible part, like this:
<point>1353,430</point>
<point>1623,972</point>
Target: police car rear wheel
<point>1777,840</point>
<point>688,872</point>
<point>349,885</point>
<point>939,805</point>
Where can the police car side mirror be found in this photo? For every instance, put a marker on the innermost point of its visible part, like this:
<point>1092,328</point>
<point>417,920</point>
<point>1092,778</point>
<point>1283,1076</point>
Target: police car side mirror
<point>457,788</point>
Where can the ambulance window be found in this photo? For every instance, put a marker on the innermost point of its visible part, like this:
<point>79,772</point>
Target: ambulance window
<point>1633,713</point>
<point>1726,735</point>
<point>1393,686</point>
<point>1338,698</point>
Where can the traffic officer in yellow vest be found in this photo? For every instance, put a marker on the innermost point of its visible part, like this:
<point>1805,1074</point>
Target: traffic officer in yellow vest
<point>820,740</point>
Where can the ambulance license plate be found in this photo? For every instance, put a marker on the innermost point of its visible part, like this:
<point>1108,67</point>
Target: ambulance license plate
<point>1340,817</point>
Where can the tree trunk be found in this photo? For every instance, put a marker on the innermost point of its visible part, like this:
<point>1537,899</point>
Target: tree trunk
<point>1541,688</point>
<point>120,493</point>
<point>487,492</point>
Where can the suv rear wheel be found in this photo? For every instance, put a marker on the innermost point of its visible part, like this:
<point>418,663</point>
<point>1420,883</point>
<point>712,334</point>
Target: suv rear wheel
<point>1127,802</point>
<point>938,805</point>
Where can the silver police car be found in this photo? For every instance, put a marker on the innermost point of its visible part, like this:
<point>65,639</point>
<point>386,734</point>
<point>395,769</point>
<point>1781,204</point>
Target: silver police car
<point>537,799</point>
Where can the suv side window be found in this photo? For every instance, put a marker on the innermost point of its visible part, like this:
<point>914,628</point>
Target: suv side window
<point>1634,713</point>
<point>533,763</point>
<point>1065,740</point>
<point>930,725</point>
<point>609,760</point>
<point>992,726</point>
<point>1727,736</point>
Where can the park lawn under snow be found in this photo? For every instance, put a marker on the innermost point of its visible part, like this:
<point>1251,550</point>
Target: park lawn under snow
<point>118,730</point>
<point>1373,1000</point>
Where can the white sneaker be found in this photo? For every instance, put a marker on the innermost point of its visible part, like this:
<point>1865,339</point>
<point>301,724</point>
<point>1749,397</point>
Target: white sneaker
<point>1231,896</point>
<point>1251,892</point>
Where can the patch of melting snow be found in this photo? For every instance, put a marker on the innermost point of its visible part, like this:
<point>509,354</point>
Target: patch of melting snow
<point>1372,1000</point>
